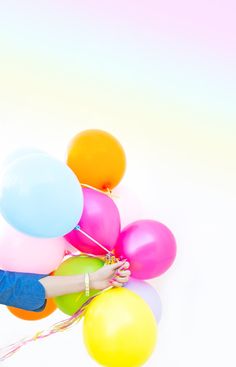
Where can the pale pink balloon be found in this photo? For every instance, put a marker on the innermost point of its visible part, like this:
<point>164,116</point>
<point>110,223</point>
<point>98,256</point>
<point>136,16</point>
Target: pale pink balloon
<point>21,253</point>
<point>71,250</point>
<point>149,246</point>
<point>100,220</point>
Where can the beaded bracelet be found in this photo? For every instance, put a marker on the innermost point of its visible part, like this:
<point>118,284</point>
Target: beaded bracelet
<point>87,284</point>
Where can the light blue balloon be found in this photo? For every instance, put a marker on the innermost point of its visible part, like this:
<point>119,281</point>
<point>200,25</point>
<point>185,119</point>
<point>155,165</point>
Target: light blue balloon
<point>20,153</point>
<point>148,293</point>
<point>41,196</point>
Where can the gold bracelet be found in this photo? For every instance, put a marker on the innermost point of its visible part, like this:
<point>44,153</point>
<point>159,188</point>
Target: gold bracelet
<point>87,285</point>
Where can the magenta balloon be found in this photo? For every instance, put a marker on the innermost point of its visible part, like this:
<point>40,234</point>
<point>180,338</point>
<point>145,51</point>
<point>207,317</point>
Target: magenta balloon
<point>149,246</point>
<point>100,220</point>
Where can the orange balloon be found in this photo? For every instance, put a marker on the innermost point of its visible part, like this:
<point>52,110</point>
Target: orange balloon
<point>97,159</point>
<point>30,315</point>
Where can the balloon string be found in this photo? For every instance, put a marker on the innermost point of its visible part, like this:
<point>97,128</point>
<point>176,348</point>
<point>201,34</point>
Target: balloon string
<point>92,239</point>
<point>61,326</point>
<point>69,253</point>
<point>107,192</point>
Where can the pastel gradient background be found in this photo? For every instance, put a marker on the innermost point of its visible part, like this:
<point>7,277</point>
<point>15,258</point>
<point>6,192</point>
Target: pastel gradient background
<point>160,75</point>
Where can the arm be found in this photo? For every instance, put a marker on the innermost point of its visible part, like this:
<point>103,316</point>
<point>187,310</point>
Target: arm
<point>30,291</point>
<point>103,278</point>
<point>59,285</point>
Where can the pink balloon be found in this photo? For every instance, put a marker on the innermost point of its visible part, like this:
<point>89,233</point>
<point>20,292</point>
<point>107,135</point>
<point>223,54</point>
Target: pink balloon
<point>149,246</point>
<point>21,253</point>
<point>71,250</point>
<point>100,220</point>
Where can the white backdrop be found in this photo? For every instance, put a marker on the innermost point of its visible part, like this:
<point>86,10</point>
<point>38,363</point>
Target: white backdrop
<point>160,76</point>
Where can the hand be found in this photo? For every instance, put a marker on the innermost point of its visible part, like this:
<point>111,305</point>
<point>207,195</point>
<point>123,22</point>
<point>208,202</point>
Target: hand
<point>115,275</point>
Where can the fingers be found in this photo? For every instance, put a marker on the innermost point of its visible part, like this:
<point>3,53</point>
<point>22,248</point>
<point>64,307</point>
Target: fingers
<point>124,264</point>
<point>116,284</point>
<point>124,273</point>
<point>122,280</point>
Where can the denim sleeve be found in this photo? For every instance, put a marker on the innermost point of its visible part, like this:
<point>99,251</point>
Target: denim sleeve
<point>22,290</point>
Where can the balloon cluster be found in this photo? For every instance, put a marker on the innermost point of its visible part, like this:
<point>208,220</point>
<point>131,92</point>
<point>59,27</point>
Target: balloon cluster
<point>51,209</point>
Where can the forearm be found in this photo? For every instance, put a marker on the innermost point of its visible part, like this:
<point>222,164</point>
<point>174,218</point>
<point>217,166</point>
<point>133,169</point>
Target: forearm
<point>60,285</point>
<point>55,286</point>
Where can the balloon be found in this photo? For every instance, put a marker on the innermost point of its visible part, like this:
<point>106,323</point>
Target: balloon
<point>149,246</point>
<point>22,253</point>
<point>100,219</point>
<point>71,249</point>
<point>97,159</point>
<point>70,303</point>
<point>41,196</point>
<point>31,315</point>
<point>21,153</point>
<point>148,293</point>
<point>119,329</point>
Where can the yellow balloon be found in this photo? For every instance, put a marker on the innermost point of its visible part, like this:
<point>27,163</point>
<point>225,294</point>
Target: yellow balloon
<point>120,329</point>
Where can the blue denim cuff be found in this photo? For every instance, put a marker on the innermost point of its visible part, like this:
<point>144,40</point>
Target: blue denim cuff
<point>22,290</point>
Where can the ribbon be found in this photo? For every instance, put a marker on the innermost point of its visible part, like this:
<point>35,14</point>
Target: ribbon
<point>61,326</point>
<point>108,191</point>
<point>78,228</point>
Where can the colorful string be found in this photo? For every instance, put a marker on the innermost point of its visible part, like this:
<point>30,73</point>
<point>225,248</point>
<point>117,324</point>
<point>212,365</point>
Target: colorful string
<point>107,192</point>
<point>61,326</point>
<point>92,239</point>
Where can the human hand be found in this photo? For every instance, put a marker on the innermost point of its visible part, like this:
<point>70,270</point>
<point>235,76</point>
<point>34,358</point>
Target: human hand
<point>115,275</point>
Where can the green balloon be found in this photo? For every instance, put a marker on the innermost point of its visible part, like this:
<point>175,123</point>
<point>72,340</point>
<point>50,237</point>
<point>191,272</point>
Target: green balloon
<point>70,303</point>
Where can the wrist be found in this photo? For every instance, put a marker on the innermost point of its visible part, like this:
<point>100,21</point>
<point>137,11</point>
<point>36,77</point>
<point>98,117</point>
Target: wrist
<point>80,283</point>
<point>93,280</point>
